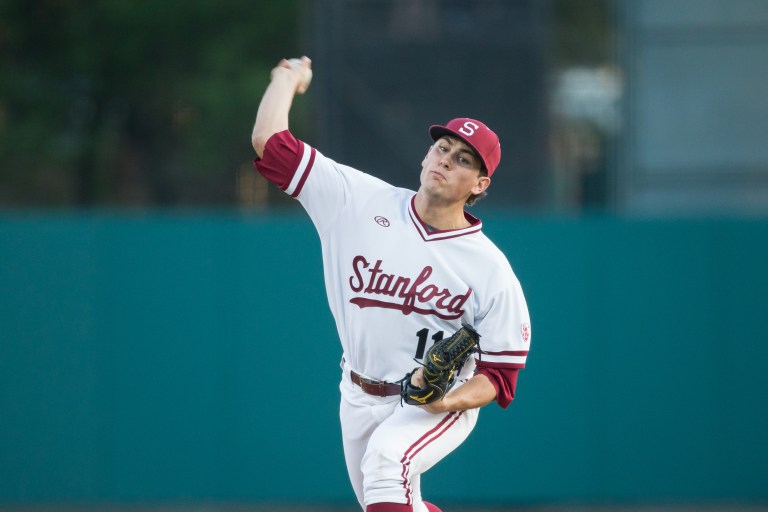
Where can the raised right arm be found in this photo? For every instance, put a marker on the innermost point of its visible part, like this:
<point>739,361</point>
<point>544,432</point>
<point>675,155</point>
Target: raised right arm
<point>272,117</point>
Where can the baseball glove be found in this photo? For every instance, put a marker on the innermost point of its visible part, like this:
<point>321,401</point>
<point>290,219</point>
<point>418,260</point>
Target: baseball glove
<point>442,364</point>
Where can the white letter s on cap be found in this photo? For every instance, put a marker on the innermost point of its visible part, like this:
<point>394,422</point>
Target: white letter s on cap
<point>468,129</point>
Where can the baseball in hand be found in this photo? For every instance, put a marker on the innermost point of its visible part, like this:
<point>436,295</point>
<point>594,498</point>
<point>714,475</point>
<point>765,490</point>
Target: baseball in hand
<point>306,73</point>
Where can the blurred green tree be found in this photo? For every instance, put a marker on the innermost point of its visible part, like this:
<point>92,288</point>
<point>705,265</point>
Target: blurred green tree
<point>123,102</point>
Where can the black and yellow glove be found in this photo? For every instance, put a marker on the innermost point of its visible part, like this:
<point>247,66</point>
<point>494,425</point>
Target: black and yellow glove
<point>442,364</point>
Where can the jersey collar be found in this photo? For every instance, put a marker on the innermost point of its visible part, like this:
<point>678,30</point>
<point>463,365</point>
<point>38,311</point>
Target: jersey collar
<point>431,236</point>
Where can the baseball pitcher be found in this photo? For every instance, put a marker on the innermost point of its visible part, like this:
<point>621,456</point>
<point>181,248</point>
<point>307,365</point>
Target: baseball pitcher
<point>432,321</point>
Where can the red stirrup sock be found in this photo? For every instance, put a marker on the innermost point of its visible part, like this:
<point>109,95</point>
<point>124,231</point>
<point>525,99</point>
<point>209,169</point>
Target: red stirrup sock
<point>388,507</point>
<point>431,507</point>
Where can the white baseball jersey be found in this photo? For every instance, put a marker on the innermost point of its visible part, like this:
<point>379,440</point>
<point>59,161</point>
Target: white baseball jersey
<point>394,285</point>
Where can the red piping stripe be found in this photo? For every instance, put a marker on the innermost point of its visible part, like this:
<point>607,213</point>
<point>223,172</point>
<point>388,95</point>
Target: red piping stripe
<point>440,428</point>
<point>443,234</point>
<point>304,176</point>
<point>486,364</point>
<point>508,353</point>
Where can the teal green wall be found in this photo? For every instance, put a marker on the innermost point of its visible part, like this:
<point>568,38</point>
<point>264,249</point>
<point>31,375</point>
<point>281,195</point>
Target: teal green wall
<point>193,357</point>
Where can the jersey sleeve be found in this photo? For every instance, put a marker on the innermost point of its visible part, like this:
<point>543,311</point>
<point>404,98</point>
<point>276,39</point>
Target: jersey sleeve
<point>505,327</point>
<point>506,335</point>
<point>322,186</point>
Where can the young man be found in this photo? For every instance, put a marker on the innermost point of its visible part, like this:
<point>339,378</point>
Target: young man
<point>402,269</point>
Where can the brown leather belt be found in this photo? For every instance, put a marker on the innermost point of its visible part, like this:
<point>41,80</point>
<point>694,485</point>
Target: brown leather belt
<point>375,387</point>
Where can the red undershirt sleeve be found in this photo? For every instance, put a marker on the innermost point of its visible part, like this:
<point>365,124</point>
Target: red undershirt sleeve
<point>504,380</point>
<point>281,157</point>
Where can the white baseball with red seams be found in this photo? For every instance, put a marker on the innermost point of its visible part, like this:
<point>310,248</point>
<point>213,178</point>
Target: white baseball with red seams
<point>395,286</point>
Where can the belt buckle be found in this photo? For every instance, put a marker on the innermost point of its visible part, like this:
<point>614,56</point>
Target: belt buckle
<point>370,386</point>
<point>374,387</point>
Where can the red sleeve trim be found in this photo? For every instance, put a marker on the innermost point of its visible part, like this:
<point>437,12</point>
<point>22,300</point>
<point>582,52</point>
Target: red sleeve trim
<point>505,382</point>
<point>508,353</point>
<point>485,364</point>
<point>304,175</point>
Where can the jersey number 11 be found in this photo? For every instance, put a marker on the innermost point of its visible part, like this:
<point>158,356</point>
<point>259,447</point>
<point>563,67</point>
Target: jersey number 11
<point>422,335</point>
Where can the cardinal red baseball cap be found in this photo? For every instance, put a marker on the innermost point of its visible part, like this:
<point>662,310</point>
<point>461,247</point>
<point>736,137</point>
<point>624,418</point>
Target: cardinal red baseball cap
<point>476,134</point>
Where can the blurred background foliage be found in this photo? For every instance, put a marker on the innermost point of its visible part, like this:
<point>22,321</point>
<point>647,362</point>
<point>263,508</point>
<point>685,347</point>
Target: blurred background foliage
<point>117,103</point>
<point>125,103</point>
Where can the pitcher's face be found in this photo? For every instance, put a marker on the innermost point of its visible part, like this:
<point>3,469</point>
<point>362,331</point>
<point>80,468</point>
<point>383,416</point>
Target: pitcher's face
<point>451,171</point>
